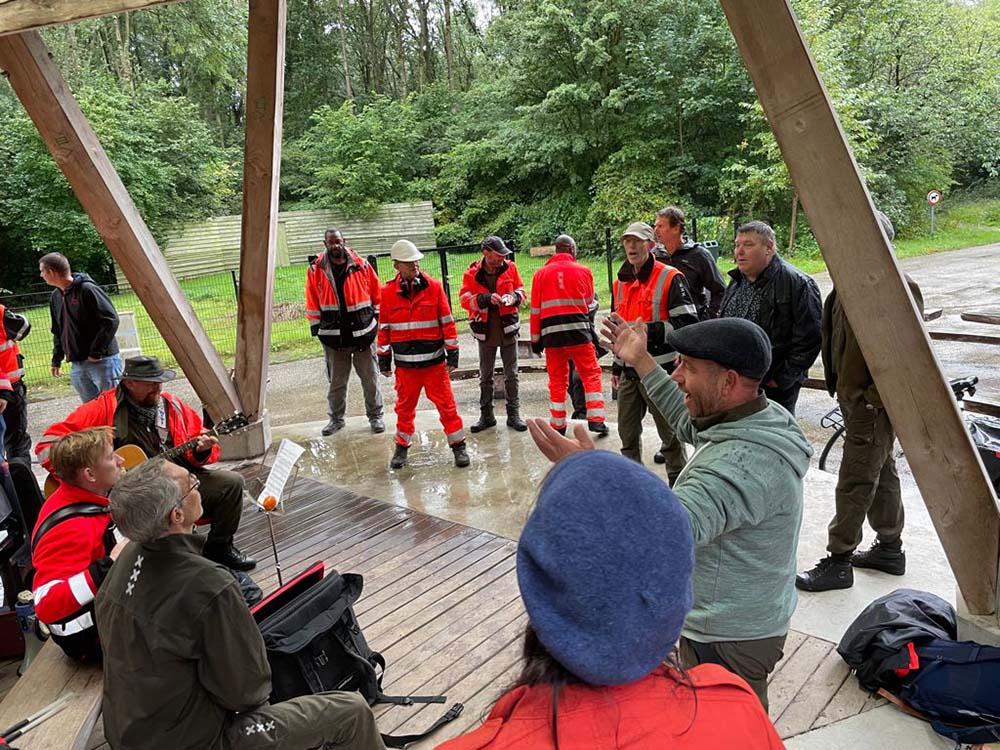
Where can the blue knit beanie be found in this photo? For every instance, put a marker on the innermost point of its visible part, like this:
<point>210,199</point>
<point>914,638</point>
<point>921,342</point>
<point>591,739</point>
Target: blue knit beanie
<point>604,565</point>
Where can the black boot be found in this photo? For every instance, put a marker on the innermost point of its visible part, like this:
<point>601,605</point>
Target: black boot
<point>228,555</point>
<point>833,572</point>
<point>600,428</point>
<point>399,457</point>
<point>659,458</point>
<point>486,419</point>
<point>514,420</point>
<point>461,455</point>
<point>334,425</point>
<point>887,558</point>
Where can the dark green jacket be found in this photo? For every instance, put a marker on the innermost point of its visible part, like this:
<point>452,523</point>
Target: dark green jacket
<point>181,650</point>
<point>844,367</point>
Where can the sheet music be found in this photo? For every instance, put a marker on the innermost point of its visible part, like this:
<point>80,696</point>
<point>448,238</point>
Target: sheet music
<point>284,462</point>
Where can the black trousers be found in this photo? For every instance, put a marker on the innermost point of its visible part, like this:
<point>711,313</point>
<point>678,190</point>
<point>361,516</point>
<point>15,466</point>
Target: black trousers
<point>16,441</point>
<point>786,397</point>
<point>222,499</point>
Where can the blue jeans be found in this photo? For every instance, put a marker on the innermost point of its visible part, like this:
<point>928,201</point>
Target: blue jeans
<point>90,379</point>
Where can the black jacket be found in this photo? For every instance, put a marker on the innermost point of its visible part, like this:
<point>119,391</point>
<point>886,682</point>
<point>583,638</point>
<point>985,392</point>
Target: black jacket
<point>84,322</point>
<point>791,313</point>
<point>702,274</point>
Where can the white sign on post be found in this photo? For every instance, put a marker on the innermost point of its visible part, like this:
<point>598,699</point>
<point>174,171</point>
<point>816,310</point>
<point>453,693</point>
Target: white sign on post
<point>934,197</point>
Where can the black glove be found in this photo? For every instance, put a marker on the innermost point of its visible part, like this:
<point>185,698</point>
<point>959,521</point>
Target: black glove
<point>385,363</point>
<point>483,300</point>
<point>314,329</point>
<point>537,348</point>
<point>452,357</point>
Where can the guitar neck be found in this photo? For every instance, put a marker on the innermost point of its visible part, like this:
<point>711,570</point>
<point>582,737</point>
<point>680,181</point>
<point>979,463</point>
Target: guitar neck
<point>179,450</point>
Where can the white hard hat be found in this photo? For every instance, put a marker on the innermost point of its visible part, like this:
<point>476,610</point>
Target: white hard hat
<point>405,251</point>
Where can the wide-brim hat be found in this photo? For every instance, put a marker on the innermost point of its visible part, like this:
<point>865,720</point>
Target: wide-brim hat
<point>147,369</point>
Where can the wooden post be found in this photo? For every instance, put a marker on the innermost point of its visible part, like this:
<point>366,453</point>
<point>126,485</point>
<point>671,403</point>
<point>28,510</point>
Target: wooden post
<point>261,170</point>
<point>938,448</point>
<point>39,85</point>
<point>24,15</point>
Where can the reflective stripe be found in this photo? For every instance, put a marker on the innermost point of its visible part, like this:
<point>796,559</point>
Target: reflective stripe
<point>78,625</point>
<point>683,310</point>
<point>451,342</point>
<point>5,385</point>
<point>593,396</point>
<point>455,437</point>
<point>553,406</point>
<point>661,283</point>
<point>367,328</point>
<point>331,331</point>
<point>330,307</point>
<point>535,311</point>
<point>595,413</point>
<point>566,327</point>
<point>562,303</point>
<point>383,326</point>
<point>383,350</point>
<point>312,312</point>
<point>447,319</point>
<point>81,589</point>
<point>412,325</point>
<point>359,306</point>
<point>592,307</point>
<point>42,590</point>
<point>16,373</point>
<point>404,436</point>
<point>480,336</point>
<point>6,345</point>
<point>512,327</point>
<point>419,357</point>
<point>558,421</point>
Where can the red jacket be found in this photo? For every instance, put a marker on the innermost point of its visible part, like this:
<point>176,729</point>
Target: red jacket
<point>71,560</point>
<point>348,323</point>
<point>13,328</point>
<point>416,327</point>
<point>653,713</point>
<point>183,423</point>
<point>562,299</point>
<point>472,299</point>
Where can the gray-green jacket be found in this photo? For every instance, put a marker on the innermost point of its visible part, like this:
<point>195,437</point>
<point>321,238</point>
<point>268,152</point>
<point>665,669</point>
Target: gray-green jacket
<point>743,491</point>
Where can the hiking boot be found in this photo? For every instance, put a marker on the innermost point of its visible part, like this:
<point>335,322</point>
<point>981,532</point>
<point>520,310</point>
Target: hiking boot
<point>399,457</point>
<point>486,420</point>
<point>461,455</point>
<point>230,556</point>
<point>659,458</point>
<point>834,572</point>
<point>378,426</point>
<point>891,560</point>
<point>332,426</point>
<point>599,428</point>
<point>514,420</point>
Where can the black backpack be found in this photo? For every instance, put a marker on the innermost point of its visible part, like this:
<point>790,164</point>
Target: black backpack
<point>314,644</point>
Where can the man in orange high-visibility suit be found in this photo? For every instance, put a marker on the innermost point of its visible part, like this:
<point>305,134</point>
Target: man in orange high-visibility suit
<point>416,328</point>
<point>562,295</point>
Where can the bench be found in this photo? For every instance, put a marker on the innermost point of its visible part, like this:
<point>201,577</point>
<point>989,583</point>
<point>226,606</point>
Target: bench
<point>51,675</point>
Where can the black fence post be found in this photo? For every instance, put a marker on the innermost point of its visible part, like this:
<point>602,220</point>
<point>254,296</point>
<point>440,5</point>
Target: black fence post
<point>443,255</point>
<point>694,228</point>
<point>373,262</point>
<point>236,284</point>
<point>607,253</point>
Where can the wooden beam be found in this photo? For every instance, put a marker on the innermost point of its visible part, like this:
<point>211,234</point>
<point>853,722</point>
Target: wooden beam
<point>261,171</point>
<point>25,15</point>
<point>39,85</point>
<point>952,481</point>
<point>981,318</point>
<point>972,338</point>
<point>932,313</point>
<point>983,405</point>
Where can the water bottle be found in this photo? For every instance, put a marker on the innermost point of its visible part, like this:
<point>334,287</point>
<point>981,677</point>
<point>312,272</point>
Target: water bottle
<point>25,610</point>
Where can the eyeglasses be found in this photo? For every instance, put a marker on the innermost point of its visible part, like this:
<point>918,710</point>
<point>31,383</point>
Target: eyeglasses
<point>195,484</point>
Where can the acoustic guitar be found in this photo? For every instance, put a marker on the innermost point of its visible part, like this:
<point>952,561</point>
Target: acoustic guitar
<point>133,455</point>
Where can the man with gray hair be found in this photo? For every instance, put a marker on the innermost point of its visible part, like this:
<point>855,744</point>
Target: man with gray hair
<point>184,663</point>
<point>767,290</point>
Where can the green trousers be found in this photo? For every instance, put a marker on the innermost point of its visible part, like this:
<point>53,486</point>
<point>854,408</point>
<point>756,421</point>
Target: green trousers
<point>751,660</point>
<point>633,403</point>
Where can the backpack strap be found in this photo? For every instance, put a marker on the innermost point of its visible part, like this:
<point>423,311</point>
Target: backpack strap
<point>397,700</point>
<point>73,510</point>
<point>402,740</point>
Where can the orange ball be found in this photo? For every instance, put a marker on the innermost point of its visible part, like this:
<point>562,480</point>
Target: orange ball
<point>270,502</point>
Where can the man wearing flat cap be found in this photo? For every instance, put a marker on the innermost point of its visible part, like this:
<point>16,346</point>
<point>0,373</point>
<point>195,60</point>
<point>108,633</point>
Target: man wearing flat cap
<point>742,487</point>
<point>144,415</point>
<point>657,294</point>
<point>491,293</point>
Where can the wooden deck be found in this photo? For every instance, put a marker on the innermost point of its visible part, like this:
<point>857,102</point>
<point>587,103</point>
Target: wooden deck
<point>441,603</point>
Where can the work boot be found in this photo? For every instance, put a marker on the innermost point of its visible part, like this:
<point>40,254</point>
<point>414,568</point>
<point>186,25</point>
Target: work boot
<point>378,426</point>
<point>461,455</point>
<point>833,572</point>
<point>659,458</point>
<point>514,420</point>
<point>486,419</point>
<point>887,558</point>
<point>399,457</point>
<point>333,426</point>
<point>599,428</point>
<point>230,556</point>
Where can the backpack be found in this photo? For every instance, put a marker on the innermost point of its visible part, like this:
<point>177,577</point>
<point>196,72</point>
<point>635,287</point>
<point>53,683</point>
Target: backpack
<point>314,643</point>
<point>956,684</point>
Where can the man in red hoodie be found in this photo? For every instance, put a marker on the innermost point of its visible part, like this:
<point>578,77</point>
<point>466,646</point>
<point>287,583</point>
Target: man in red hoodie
<point>74,542</point>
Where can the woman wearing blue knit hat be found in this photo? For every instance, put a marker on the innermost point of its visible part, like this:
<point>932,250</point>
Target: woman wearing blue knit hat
<point>604,566</point>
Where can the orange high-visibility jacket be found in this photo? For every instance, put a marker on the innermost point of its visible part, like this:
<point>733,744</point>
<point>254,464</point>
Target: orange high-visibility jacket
<point>351,322</point>
<point>416,326</point>
<point>562,299</point>
<point>475,293</point>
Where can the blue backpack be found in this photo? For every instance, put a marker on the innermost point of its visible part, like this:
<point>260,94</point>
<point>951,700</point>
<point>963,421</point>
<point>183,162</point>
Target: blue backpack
<point>957,686</point>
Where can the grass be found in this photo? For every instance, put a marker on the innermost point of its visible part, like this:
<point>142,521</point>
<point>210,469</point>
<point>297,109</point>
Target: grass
<point>214,300</point>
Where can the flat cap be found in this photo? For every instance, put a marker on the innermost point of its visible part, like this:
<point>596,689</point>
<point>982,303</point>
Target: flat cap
<point>639,229</point>
<point>734,343</point>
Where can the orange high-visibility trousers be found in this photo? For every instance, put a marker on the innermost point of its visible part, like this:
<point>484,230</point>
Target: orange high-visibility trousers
<point>434,381</point>
<point>585,360</point>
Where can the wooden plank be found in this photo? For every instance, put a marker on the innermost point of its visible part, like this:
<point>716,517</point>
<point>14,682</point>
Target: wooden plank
<point>39,85</point>
<point>261,174</point>
<point>24,15</point>
<point>972,338</point>
<point>814,696</point>
<point>982,318</point>
<point>958,495</point>
<point>792,643</point>
<point>787,683</point>
<point>50,675</point>
<point>848,701</point>
<point>988,406</point>
<point>932,313</point>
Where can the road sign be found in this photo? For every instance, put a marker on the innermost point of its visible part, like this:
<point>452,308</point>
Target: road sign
<point>934,197</point>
